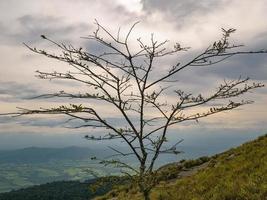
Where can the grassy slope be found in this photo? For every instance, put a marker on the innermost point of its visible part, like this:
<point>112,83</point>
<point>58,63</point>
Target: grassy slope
<point>238,174</point>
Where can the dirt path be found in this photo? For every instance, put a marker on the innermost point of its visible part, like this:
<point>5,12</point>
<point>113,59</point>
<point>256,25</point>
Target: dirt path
<point>193,170</point>
<point>188,172</point>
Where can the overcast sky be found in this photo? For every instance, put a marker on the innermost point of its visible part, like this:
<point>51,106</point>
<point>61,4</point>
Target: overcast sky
<point>193,23</point>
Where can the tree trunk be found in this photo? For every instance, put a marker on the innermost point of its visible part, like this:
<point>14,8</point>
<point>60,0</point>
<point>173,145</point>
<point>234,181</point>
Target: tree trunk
<point>146,195</point>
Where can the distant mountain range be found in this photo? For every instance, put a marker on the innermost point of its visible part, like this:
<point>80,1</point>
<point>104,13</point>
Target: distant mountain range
<point>33,155</point>
<point>239,173</point>
<point>34,165</point>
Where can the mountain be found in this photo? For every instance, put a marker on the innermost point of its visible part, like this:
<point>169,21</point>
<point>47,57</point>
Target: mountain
<point>42,155</point>
<point>33,166</point>
<point>237,174</point>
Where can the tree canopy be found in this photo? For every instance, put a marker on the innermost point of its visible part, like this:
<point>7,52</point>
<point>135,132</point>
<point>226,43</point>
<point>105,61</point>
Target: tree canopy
<point>120,76</point>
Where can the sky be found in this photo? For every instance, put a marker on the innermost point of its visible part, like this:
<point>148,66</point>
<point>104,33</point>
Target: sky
<point>191,23</point>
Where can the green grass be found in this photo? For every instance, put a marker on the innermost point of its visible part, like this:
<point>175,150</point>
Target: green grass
<point>238,174</point>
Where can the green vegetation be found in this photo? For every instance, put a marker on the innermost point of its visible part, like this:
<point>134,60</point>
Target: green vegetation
<point>66,190</point>
<point>16,176</point>
<point>62,190</point>
<point>238,174</point>
<point>33,166</point>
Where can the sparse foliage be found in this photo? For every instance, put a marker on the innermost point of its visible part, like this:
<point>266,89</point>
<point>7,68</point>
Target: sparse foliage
<point>121,77</point>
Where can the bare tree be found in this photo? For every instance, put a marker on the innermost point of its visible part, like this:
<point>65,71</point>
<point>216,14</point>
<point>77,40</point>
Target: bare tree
<point>121,77</point>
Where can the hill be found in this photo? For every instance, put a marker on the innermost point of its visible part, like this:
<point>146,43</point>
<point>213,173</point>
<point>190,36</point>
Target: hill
<point>41,155</point>
<point>237,174</point>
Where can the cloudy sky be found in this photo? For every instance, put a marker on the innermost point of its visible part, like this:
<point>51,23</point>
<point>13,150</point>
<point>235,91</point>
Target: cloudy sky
<point>190,22</point>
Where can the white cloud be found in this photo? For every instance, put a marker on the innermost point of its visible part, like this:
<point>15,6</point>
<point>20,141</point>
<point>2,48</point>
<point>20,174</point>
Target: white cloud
<point>197,25</point>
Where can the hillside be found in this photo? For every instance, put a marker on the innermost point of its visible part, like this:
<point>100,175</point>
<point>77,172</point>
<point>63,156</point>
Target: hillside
<point>237,174</point>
